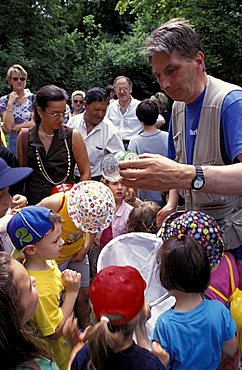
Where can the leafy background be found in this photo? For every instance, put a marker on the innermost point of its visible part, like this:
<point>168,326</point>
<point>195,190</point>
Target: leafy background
<point>79,44</point>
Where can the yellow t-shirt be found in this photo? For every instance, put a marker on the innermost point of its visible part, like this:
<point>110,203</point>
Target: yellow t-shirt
<point>73,237</point>
<point>48,314</point>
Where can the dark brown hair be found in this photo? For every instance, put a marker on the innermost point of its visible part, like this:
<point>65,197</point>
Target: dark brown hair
<point>142,218</point>
<point>147,112</point>
<point>183,265</point>
<point>46,94</point>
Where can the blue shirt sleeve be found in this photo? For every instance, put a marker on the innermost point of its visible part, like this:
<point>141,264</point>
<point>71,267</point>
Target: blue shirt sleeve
<point>133,146</point>
<point>160,333</point>
<point>229,324</point>
<point>231,119</point>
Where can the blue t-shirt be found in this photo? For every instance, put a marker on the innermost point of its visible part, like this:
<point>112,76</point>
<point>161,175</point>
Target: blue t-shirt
<point>132,358</point>
<point>195,339</point>
<point>155,142</point>
<point>231,126</point>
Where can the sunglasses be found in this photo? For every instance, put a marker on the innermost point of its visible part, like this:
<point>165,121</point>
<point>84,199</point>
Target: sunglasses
<point>78,101</point>
<point>18,78</point>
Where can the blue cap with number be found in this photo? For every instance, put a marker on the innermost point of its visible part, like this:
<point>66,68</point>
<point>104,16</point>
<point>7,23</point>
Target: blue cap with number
<point>27,227</point>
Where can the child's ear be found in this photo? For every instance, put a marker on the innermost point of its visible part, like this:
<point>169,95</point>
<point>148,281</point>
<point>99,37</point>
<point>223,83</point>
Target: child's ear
<point>30,250</point>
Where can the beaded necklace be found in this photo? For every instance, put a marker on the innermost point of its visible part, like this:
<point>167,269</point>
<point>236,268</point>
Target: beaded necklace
<point>44,133</point>
<point>45,174</point>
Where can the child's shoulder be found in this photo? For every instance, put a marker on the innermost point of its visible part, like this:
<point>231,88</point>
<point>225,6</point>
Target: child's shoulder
<point>35,271</point>
<point>213,303</point>
<point>54,201</point>
<point>207,305</point>
<point>48,280</point>
<point>215,307</point>
<point>165,316</point>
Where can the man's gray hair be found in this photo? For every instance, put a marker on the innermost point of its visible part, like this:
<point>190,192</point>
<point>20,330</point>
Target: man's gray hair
<point>175,35</point>
<point>121,77</point>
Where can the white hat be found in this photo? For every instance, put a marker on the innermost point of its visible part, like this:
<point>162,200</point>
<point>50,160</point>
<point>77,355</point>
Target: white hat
<point>91,206</point>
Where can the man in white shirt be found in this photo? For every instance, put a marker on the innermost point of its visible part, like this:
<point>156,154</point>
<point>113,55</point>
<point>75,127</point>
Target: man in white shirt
<point>122,112</point>
<point>99,133</point>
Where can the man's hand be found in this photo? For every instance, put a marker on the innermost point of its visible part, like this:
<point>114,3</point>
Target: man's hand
<point>155,172</point>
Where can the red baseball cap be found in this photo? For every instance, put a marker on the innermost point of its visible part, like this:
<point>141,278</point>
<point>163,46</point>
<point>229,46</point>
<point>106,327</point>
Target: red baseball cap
<point>118,290</point>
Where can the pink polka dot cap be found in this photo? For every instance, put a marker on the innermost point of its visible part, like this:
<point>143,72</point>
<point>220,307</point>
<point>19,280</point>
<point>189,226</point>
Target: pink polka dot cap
<point>91,206</point>
<point>199,226</point>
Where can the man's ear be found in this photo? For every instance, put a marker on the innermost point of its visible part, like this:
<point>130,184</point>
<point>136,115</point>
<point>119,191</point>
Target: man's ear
<point>30,250</point>
<point>200,60</point>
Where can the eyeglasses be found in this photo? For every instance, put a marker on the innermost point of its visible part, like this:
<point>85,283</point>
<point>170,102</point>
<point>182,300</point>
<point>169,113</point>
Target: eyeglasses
<point>58,115</point>
<point>120,89</point>
<point>18,78</point>
<point>78,101</point>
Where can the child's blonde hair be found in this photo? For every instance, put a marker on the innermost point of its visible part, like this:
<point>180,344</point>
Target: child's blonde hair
<point>105,339</point>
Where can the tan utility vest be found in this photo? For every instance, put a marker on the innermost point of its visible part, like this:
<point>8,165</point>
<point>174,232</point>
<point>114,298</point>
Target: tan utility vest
<point>206,150</point>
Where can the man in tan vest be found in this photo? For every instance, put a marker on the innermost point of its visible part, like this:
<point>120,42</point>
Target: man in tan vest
<point>205,136</point>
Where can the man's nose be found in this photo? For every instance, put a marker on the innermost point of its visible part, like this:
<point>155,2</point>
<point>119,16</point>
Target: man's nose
<point>100,113</point>
<point>164,83</point>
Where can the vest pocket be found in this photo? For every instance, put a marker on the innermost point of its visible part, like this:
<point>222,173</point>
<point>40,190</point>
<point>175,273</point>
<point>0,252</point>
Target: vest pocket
<point>231,227</point>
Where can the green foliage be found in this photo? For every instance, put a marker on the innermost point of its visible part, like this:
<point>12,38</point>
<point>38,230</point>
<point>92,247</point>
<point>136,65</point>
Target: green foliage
<point>79,44</point>
<point>218,22</point>
<point>220,28</point>
<point>107,58</point>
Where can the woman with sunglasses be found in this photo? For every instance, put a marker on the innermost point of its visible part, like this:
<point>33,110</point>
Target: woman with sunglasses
<point>16,107</point>
<point>53,149</point>
<point>77,100</point>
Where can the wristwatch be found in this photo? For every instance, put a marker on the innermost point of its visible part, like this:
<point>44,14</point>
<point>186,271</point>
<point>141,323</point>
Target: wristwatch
<point>198,182</point>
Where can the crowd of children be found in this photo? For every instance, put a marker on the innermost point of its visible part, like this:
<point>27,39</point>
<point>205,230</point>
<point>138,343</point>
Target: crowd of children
<point>60,311</point>
<point>40,308</point>
<point>38,300</point>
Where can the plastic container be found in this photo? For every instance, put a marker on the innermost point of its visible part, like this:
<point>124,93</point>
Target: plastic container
<point>110,169</point>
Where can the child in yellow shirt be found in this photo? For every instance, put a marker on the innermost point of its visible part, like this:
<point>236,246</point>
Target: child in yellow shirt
<point>36,230</point>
